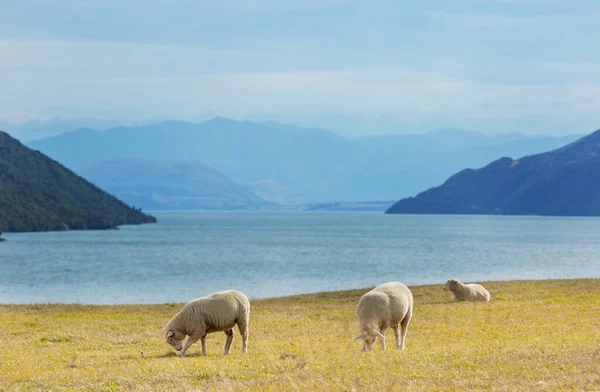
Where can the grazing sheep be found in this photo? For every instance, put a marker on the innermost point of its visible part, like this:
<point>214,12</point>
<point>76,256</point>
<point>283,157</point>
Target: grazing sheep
<point>213,313</point>
<point>466,292</point>
<point>388,305</point>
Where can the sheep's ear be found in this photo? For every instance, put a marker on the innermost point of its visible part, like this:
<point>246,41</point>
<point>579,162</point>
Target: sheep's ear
<point>170,333</point>
<point>380,334</point>
<point>358,336</point>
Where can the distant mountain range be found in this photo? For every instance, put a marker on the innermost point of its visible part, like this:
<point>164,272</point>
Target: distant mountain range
<point>160,185</point>
<point>37,129</point>
<point>562,182</point>
<point>286,164</point>
<point>39,194</point>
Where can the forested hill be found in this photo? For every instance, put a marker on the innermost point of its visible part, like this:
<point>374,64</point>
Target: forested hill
<point>39,194</point>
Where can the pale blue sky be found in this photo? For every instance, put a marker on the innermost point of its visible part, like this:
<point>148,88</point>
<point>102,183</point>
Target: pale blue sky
<point>353,66</point>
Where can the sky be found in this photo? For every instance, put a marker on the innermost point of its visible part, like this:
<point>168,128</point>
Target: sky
<point>355,67</point>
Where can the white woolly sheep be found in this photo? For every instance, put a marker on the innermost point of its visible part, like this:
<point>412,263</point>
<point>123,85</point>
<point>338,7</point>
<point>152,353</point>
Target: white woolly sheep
<point>213,313</point>
<point>466,292</point>
<point>387,305</point>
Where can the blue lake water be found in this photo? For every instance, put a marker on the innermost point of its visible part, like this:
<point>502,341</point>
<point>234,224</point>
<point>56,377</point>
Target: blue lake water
<point>191,254</point>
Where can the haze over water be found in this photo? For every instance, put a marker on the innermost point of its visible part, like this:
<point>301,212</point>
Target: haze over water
<point>191,254</point>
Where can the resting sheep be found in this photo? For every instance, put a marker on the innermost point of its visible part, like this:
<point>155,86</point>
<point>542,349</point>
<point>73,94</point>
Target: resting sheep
<point>213,313</point>
<point>387,305</point>
<point>466,292</point>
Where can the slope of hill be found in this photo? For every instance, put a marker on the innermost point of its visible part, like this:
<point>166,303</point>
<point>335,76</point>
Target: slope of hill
<point>443,155</point>
<point>310,164</point>
<point>39,194</point>
<point>563,182</point>
<point>161,185</point>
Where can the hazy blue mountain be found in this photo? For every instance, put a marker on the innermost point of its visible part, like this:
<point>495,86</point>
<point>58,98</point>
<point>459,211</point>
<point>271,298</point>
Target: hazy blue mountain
<point>273,191</point>
<point>315,165</point>
<point>39,194</point>
<point>310,164</point>
<point>564,181</point>
<point>158,185</point>
<point>441,140</point>
<point>445,153</point>
<point>36,129</point>
<point>479,156</point>
<point>302,130</point>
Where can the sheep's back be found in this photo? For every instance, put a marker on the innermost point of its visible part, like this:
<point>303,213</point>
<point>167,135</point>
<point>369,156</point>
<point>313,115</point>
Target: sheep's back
<point>394,297</point>
<point>479,292</point>
<point>222,309</point>
<point>372,306</point>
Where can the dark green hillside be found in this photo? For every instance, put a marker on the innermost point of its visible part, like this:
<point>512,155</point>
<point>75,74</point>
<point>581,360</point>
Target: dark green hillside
<point>39,194</point>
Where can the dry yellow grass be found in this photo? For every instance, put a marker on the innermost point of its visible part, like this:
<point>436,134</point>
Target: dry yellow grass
<point>533,335</point>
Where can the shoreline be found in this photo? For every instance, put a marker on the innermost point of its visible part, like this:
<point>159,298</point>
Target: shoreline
<point>302,296</point>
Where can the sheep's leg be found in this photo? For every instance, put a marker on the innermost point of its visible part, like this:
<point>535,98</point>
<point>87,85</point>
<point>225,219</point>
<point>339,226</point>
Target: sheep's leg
<point>191,340</point>
<point>243,328</point>
<point>203,341</point>
<point>397,335</point>
<point>404,325</point>
<point>382,331</point>
<point>228,342</point>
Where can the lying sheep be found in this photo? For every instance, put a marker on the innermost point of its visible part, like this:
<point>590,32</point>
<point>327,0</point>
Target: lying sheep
<point>388,305</point>
<point>466,292</point>
<point>213,313</point>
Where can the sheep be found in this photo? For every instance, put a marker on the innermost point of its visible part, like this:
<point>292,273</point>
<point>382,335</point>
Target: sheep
<point>387,305</point>
<point>216,312</point>
<point>466,292</point>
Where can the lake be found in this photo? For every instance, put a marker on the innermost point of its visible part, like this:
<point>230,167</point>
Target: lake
<point>264,254</point>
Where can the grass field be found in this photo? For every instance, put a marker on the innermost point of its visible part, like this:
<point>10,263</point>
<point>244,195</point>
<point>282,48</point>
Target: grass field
<point>533,335</point>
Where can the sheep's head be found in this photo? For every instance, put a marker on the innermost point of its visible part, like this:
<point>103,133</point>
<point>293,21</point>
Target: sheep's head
<point>175,339</point>
<point>450,284</point>
<point>369,337</point>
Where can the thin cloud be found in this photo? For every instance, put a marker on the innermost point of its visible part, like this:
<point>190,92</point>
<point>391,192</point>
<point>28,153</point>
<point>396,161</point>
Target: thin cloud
<point>497,66</point>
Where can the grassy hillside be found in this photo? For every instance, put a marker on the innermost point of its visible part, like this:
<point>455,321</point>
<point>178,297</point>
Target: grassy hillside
<point>533,335</point>
<point>39,194</point>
